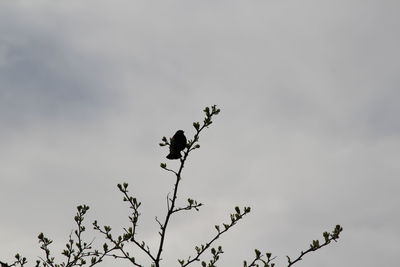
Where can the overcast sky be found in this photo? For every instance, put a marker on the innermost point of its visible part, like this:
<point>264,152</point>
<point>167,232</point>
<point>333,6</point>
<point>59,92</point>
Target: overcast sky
<point>308,134</point>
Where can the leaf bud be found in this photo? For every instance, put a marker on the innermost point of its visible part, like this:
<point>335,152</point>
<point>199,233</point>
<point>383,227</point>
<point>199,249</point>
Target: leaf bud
<point>213,251</point>
<point>237,209</point>
<point>196,125</point>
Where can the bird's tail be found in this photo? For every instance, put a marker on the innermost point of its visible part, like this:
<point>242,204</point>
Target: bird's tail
<point>174,155</point>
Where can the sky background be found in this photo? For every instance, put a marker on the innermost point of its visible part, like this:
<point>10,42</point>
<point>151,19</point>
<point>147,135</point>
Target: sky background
<point>308,134</point>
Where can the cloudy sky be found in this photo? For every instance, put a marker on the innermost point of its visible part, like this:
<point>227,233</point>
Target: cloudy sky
<point>308,135</point>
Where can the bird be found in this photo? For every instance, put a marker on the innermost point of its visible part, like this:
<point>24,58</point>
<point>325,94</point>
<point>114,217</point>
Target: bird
<point>178,143</point>
<point>2,264</point>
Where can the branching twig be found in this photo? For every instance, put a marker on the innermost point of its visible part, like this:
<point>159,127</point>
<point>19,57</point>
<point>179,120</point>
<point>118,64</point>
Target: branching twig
<point>192,204</point>
<point>259,258</point>
<point>191,145</point>
<point>78,251</point>
<point>118,244</point>
<point>226,226</point>
<point>315,245</point>
<point>215,253</point>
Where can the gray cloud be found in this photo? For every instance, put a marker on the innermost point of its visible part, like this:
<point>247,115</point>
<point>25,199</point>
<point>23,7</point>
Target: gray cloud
<point>308,134</point>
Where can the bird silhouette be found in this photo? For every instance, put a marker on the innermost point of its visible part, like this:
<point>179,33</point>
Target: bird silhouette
<point>178,143</point>
<point>2,264</point>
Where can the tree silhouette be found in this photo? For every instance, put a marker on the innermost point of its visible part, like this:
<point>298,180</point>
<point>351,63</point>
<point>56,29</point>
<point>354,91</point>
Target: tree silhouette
<point>79,252</point>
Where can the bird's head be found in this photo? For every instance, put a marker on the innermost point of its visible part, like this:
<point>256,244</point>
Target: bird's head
<point>179,132</point>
